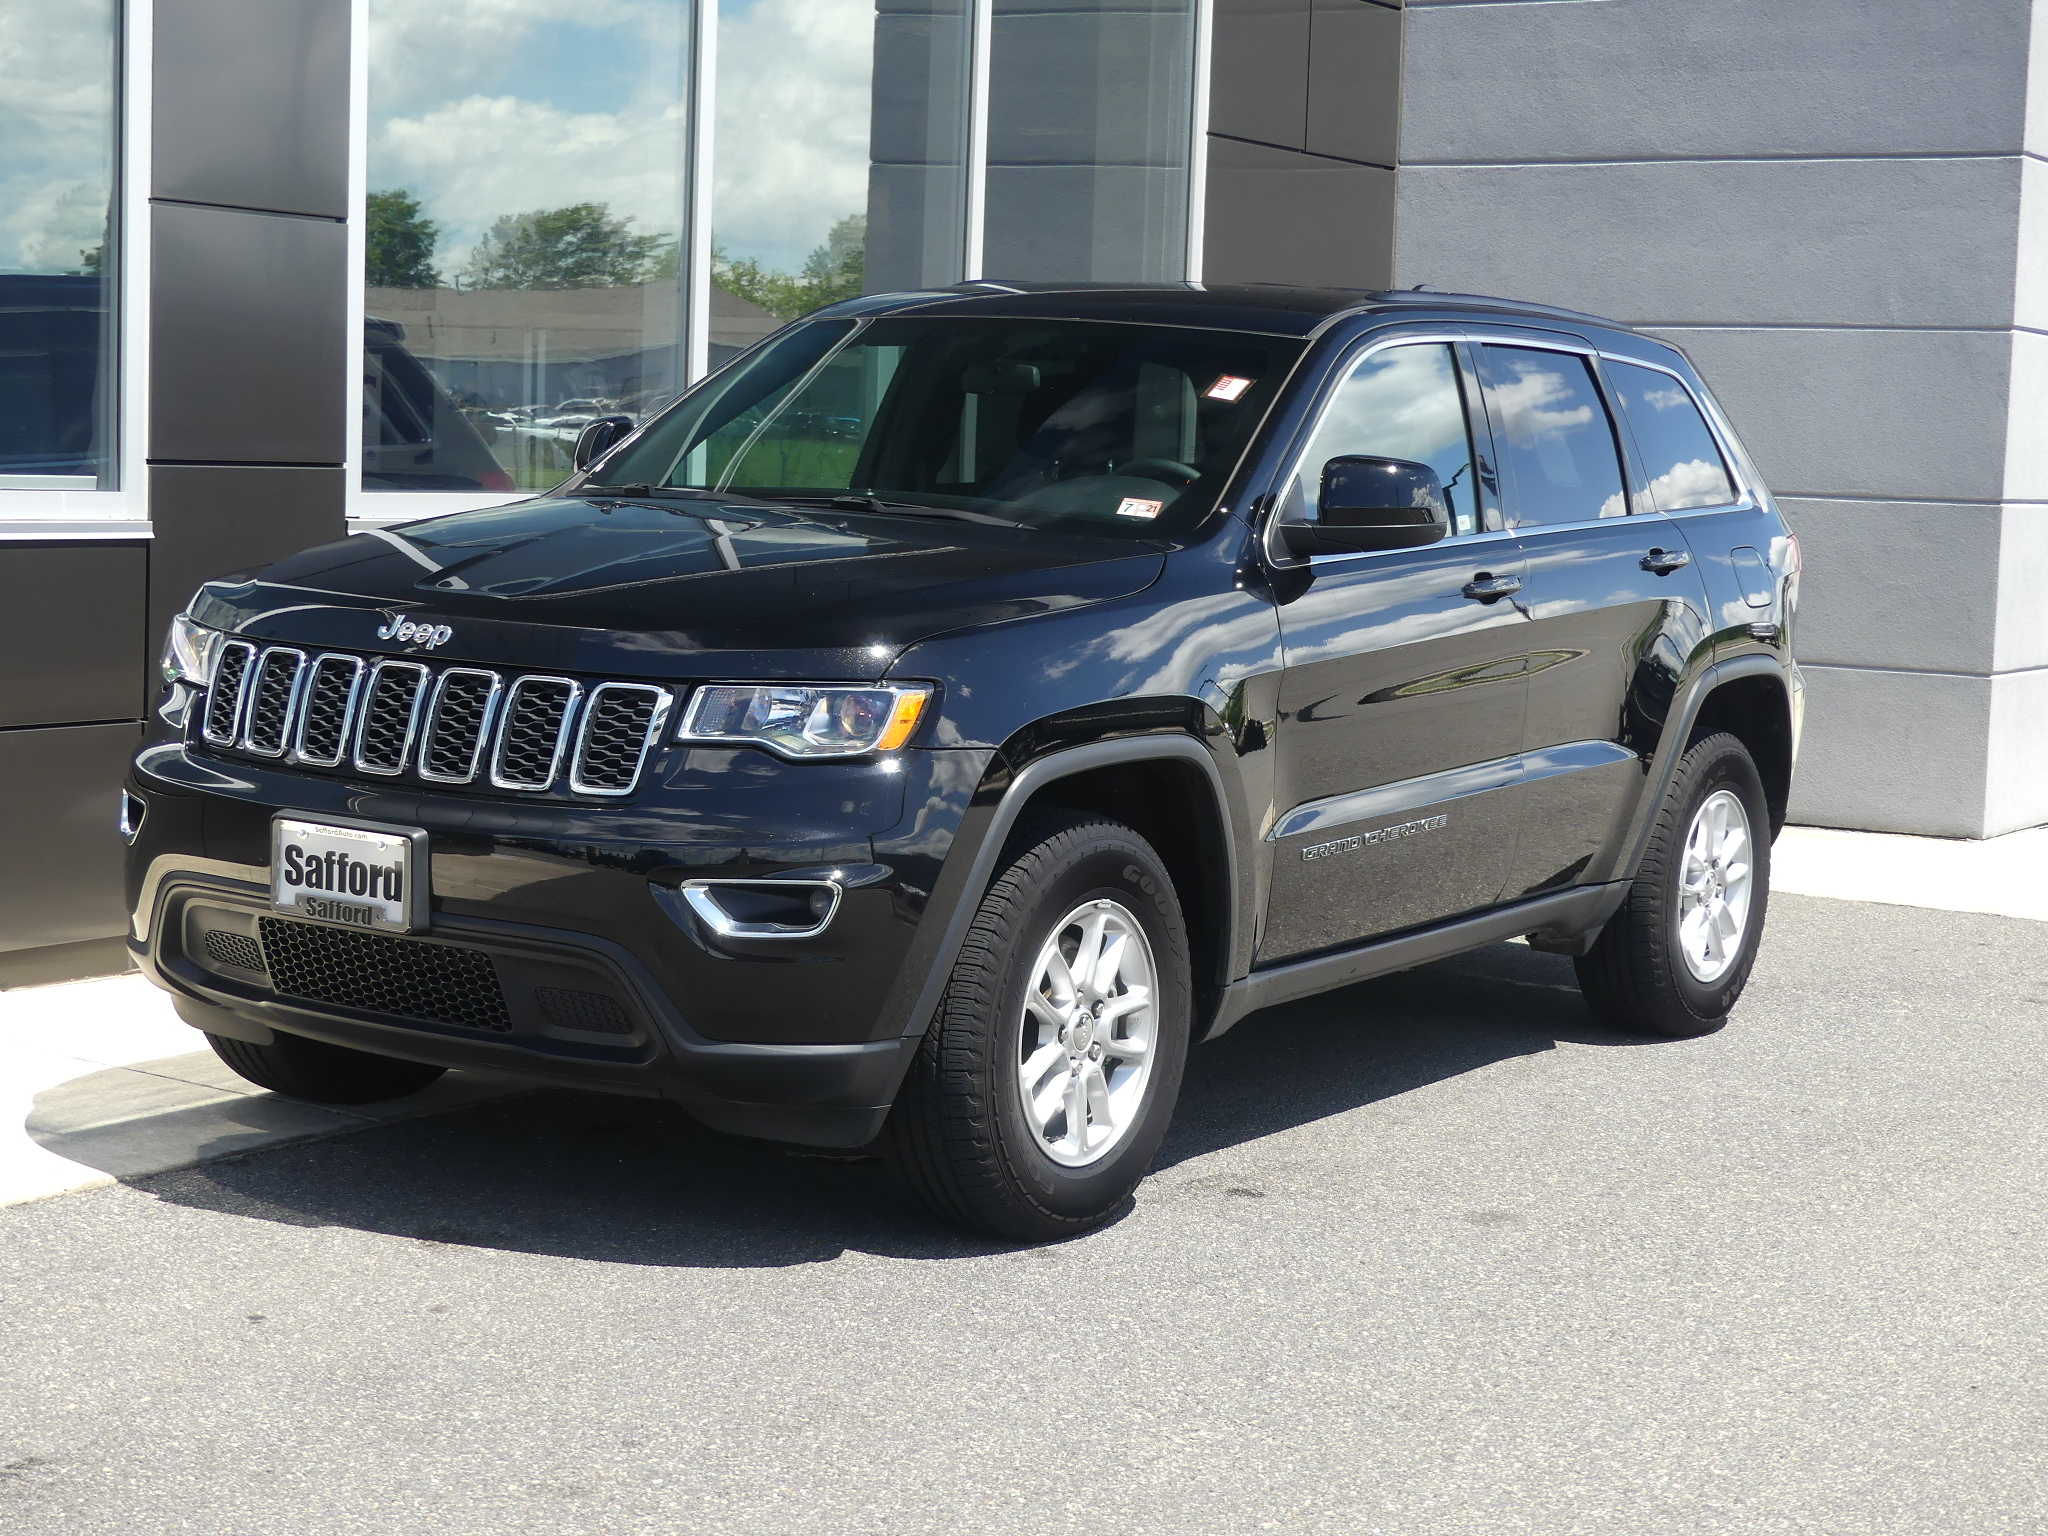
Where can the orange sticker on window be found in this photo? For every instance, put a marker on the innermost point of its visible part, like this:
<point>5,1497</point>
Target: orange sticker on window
<point>1138,506</point>
<point>1229,387</point>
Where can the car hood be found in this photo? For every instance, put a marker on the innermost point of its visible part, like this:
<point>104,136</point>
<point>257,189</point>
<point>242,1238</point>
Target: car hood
<point>679,589</point>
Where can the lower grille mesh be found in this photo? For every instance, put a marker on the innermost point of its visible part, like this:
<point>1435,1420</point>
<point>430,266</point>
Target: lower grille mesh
<point>236,949</point>
<point>567,1009</point>
<point>380,973</point>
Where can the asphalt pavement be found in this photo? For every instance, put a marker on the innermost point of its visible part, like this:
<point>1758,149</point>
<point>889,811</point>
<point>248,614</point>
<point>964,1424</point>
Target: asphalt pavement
<point>1435,1254</point>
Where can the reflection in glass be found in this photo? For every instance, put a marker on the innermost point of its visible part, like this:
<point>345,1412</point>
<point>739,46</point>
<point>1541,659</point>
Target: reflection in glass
<point>1679,453</point>
<point>1125,430</point>
<point>524,233</point>
<point>1089,108</point>
<point>1551,430</point>
<point>838,158</point>
<point>1402,403</point>
<point>57,260</point>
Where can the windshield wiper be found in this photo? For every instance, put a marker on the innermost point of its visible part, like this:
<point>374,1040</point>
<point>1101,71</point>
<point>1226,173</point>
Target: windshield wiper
<point>911,508</point>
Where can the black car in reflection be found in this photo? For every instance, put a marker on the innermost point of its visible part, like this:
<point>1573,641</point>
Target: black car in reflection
<point>934,723</point>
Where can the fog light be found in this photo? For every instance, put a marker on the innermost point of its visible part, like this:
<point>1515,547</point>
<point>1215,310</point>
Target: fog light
<point>764,909</point>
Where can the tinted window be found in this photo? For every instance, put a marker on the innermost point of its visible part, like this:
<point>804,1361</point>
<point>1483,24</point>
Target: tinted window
<point>1684,466</point>
<point>1552,435</point>
<point>1403,403</point>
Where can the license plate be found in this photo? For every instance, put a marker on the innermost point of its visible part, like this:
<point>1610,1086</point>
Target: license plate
<point>355,875</point>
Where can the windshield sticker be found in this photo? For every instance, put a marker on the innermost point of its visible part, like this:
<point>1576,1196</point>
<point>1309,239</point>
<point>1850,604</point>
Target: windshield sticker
<point>1138,506</point>
<point>1227,388</point>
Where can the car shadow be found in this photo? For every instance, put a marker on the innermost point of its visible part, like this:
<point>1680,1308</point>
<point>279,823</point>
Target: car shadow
<point>629,1181</point>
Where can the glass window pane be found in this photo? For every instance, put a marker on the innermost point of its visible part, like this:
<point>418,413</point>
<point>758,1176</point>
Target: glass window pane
<point>1680,455</point>
<point>838,158</point>
<point>1089,104</point>
<point>58,123</point>
<point>1403,403</point>
<point>1555,442</point>
<point>524,226</point>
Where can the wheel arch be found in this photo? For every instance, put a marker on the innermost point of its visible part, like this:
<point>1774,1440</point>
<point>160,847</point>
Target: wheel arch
<point>1754,706</point>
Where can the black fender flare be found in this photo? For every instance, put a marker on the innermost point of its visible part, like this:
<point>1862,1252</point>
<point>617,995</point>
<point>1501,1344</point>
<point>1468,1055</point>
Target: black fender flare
<point>1678,731</point>
<point>960,901</point>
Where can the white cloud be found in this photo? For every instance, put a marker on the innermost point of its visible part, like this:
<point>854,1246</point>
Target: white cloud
<point>57,123</point>
<point>1695,483</point>
<point>791,152</point>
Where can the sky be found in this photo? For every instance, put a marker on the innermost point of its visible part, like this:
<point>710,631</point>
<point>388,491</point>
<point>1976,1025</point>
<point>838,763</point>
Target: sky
<point>56,132</point>
<point>488,107</point>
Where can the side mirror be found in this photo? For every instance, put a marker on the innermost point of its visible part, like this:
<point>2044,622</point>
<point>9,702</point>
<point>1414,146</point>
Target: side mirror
<point>599,436</point>
<point>1369,504</point>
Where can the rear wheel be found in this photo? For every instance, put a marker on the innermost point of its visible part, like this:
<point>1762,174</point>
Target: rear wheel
<point>1044,1085</point>
<point>321,1073</point>
<point>1676,956</point>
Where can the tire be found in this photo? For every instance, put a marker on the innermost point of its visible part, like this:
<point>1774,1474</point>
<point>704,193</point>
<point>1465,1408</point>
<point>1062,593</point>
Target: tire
<point>321,1073</point>
<point>1653,969</point>
<point>963,1135</point>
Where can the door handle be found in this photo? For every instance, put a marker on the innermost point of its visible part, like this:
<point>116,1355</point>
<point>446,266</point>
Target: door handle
<point>1664,561</point>
<point>1485,587</point>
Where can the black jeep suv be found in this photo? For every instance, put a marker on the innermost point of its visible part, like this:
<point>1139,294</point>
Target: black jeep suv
<point>942,716</point>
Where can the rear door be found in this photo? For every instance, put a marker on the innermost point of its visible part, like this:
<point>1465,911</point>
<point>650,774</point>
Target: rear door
<point>1614,603</point>
<point>1401,702</point>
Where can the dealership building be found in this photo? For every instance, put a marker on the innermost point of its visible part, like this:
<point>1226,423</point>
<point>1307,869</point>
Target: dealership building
<point>271,270</point>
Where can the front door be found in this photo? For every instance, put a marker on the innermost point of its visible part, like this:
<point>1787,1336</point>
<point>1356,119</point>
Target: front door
<point>1615,610</point>
<point>1401,702</point>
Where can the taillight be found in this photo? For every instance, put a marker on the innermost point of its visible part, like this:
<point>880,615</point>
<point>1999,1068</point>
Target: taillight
<point>495,479</point>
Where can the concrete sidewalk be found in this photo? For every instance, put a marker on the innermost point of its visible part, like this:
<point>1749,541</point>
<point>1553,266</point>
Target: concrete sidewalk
<point>101,1080</point>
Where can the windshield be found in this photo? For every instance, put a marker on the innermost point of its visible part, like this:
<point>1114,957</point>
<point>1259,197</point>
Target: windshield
<point>1078,426</point>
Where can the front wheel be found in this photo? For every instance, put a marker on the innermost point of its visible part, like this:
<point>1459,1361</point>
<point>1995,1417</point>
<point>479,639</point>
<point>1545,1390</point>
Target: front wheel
<point>1044,1085</point>
<point>1676,956</point>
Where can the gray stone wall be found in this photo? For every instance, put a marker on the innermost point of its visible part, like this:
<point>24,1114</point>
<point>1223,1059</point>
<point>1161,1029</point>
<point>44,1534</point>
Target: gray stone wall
<point>1837,208</point>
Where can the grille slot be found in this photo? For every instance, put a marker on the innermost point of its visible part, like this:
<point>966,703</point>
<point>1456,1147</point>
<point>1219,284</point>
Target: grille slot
<point>458,723</point>
<point>619,723</point>
<point>589,1011</point>
<point>330,700</point>
<point>380,973</point>
<point>391,716</point>
<point>273,692</point>
<point>224,698</point>
<point>236,949</point>
<point>538,714</point>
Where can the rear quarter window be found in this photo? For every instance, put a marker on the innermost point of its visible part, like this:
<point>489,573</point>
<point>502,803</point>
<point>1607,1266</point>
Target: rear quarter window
<point>1680,456</point>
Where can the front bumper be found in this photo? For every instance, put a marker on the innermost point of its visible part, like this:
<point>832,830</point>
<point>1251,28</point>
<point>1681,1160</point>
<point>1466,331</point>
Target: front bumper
<point>559,948</point>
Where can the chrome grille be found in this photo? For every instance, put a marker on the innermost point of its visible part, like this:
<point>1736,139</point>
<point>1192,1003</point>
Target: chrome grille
<point>224,699</point>
<point>619,724</point>
<point>538,716</point>
<point>273,690</point>
<point>391,716</point>
<point>458,724</point>
<point>330,699</point>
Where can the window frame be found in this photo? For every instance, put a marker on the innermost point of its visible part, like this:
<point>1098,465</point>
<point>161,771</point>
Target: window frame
<point>123,511</point>
<point>1478,428</point>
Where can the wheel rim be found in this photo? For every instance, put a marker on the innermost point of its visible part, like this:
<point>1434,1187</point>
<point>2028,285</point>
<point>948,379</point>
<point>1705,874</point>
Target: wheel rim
<point>1088,1033</point>
<point>1715,886</point>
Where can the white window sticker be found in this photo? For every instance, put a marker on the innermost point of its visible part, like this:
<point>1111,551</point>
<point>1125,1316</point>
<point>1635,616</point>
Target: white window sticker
<point>1138,506</point>
<point>1229,387</point>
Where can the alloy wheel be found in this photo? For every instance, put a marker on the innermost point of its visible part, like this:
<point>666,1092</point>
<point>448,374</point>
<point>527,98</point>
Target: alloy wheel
<point>1086,1038</point>
<point>1714,886</point>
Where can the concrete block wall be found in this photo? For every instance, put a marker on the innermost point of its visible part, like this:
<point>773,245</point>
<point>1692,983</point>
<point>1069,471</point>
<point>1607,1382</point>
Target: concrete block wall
<point>1832,207</point>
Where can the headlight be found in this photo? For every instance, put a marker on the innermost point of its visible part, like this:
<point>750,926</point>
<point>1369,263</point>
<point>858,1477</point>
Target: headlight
<point>807,719</point>
<point>189,652</point>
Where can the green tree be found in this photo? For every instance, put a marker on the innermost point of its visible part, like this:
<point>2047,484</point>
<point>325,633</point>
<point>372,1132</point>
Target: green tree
<point>833,271</point>
<point>399,243</point>
<point>580,246</point>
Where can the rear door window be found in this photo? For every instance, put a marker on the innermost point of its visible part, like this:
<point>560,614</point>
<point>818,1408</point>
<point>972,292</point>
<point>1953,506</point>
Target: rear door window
<point>1552,435</point>
<point>1680,457</point>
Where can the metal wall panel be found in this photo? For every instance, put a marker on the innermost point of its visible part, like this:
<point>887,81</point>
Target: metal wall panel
<point>1258,71</point>
<point>247,358</point>
<point>1354,82</point>
<point>251,104</point>
<point>74,624</point>
<point>1275,216</point>
<point>214,519</point>
<point>60,857</point>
